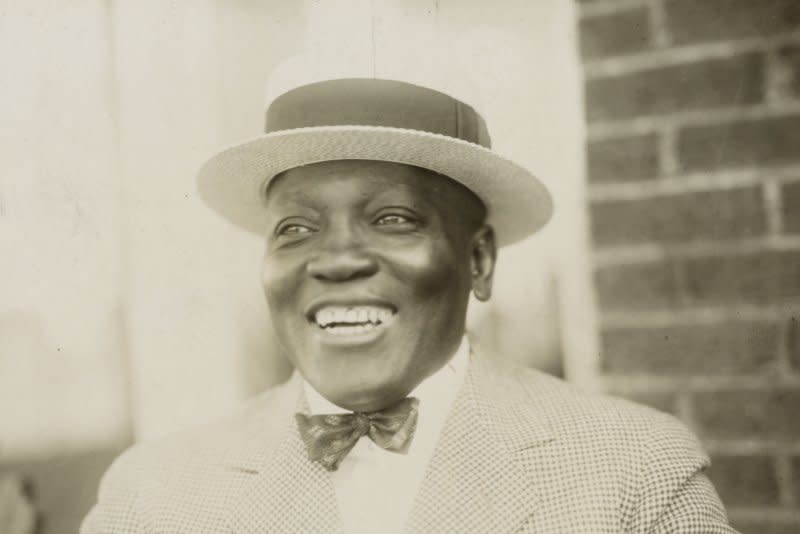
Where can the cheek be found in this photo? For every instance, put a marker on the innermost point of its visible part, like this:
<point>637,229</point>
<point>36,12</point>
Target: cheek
<point>280,280</point>
<point>431,271</point>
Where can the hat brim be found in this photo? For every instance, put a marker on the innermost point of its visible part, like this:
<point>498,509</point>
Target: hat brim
<point>233,181</point>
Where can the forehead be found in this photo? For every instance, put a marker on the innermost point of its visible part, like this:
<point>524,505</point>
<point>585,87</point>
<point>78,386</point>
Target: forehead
<point>362,178</point>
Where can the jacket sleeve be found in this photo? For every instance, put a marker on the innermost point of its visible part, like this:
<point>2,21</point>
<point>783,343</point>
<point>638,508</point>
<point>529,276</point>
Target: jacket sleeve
<point>674,495</point>
<point>118,509</point>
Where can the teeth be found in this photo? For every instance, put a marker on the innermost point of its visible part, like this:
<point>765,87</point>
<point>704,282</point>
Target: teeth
<point>338,315</point>
<point>325,316</point>
<point>351,330</point>
<point>351,320</point>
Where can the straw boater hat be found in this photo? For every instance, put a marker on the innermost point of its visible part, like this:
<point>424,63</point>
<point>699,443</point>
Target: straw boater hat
<point>374,119</point>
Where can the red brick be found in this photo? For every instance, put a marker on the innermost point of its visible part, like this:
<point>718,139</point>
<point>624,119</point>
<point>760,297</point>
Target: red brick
<point>791,206</point>
<point>745,480</point>
<point>637,286</point>
<point>735,348</point>
<point>741,143</point>
<point>623,159</point>
<point>691,21</point>
<point>614,34</point>
<point>771,414</point>
<point>759,278</point>
<point>705,84</point>
<point>677,218</point>
<point>787,76</point>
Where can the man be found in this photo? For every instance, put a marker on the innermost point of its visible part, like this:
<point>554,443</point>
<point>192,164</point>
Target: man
<point>382,209</point>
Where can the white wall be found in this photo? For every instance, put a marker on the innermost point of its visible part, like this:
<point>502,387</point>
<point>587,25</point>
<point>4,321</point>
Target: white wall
<point>193,81</point>
<point>125,305</point>
<point>63,358</point>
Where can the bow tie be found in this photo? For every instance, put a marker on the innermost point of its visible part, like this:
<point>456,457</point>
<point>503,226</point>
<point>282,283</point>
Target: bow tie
<point>329,437</point>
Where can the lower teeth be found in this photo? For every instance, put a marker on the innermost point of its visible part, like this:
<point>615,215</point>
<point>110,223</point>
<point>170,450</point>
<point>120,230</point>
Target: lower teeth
<point>350,330</point>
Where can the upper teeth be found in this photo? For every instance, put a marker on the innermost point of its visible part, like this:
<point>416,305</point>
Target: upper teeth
<point>352,315</point>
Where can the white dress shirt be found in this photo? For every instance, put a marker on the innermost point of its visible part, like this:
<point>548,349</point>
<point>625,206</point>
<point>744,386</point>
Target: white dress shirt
<point>375,488</point>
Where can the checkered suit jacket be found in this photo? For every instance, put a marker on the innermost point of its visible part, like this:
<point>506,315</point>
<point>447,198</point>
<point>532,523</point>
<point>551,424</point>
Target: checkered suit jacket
<point>520,452</point>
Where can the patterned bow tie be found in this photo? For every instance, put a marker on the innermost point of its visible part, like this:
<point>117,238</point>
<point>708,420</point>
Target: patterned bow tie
<point>329,437</point>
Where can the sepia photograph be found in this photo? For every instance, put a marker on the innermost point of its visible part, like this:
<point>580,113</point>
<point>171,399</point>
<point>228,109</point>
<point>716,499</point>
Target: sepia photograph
<point>400,266</point>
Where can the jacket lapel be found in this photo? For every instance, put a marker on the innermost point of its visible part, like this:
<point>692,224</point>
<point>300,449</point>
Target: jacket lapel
<point>285,492</point>
<point>478,479</point>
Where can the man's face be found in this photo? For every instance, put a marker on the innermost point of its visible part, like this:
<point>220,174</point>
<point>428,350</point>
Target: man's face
<point>367,273</point>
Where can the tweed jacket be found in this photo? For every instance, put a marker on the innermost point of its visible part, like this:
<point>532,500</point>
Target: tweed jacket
<point>519,452</point>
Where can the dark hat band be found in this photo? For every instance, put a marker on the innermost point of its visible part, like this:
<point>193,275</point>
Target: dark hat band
<point>373,102</point>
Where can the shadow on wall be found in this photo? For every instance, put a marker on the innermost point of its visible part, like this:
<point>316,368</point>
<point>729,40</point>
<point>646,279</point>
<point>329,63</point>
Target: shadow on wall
<point>51,495</point>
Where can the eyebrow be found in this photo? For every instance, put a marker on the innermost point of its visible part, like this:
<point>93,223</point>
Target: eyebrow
<point>290,207</point>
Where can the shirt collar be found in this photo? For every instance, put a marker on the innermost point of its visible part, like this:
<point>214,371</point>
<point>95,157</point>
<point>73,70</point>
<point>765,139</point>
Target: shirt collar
<point>434,393</point>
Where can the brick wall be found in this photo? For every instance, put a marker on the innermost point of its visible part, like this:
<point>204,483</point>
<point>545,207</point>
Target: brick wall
<point>693,112</point>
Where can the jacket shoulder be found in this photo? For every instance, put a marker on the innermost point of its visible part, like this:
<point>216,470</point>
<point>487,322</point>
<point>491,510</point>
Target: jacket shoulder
<point>187,465</point>
<point>636,456</point>
<point>572,413</point>
<point>214,442</point>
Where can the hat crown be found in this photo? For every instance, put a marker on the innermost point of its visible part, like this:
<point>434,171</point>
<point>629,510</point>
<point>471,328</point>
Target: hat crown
<point>376,102</point>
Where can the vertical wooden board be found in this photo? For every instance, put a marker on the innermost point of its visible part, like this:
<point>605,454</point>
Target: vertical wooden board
<point>62,354</point>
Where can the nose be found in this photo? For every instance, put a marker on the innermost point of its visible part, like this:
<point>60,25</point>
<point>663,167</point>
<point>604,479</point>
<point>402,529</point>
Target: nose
<point>342,257</point>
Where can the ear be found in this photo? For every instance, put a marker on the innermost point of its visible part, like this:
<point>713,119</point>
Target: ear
<point>482,262</point>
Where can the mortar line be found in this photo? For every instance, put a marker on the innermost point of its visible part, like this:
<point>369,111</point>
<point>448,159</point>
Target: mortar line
<point>783,472</point>
<point>658,25</point>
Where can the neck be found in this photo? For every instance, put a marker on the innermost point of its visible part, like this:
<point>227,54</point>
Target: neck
<point>456,365</point>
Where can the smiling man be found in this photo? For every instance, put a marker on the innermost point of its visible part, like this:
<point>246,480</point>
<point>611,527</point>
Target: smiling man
<point>382,208</point>
<point>368,269</point>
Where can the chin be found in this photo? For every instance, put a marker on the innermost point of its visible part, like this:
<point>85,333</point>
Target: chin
<point>366,397</point>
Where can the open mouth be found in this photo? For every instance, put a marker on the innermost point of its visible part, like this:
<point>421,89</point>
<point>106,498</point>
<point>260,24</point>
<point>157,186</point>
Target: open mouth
<point>352,320</point>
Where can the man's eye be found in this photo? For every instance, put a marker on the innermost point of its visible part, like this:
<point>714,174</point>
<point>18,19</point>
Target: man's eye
<point>294,229</point>
<point>393,219</point>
